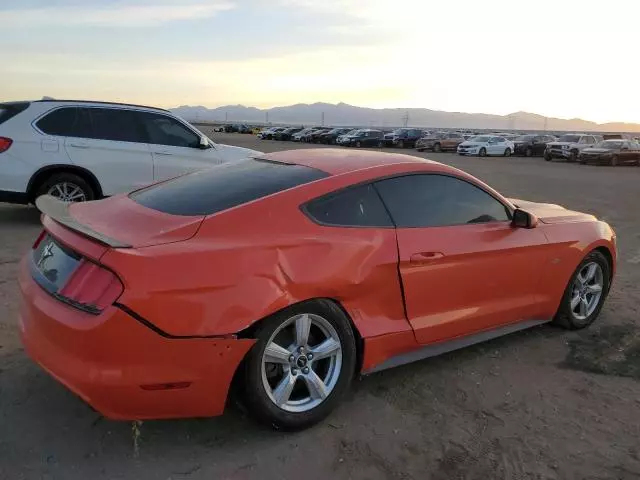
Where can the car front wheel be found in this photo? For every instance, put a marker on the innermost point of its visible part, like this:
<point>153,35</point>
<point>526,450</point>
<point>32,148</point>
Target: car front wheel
<point>301,365</point>
<point>586,292</point>
<point>507,152</point>
<point>482,152</point>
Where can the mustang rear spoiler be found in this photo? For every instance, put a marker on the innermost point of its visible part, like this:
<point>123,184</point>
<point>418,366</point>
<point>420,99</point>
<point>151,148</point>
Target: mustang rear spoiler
<point>58,211</point>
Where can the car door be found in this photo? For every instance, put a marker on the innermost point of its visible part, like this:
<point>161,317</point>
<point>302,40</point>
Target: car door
<point>110,143</point>
<point>496,146</point>
<point>626,154</point>
<point>464,267</point>
<point>175,147</point>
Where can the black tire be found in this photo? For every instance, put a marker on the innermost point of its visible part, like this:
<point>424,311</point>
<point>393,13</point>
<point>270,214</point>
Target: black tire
<point>564,316</point>
<point>380,144</point>
<point>482,152</point>
<point>614,161</point>
<point>528,152</point>
<point>437,147</point>
<point>358,144</point>
<point>69,178</point>
<point>401,143</point>
<point>507,152</point>
<point>547,157</point>
<point>256,397</point>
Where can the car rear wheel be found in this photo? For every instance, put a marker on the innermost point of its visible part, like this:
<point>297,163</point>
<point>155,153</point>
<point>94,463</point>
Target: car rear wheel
<point>358,144</point>
<point>401,143</point>
<point>507,152</point>
<point>301,365</point>
<point>68,187</point>
<point>586,292</point>
<point>437,147</point>
<point>528,152</point>
<point>380,144</point>
<point>547,157</point>
<point>483,152</point>
<point>614,161</point>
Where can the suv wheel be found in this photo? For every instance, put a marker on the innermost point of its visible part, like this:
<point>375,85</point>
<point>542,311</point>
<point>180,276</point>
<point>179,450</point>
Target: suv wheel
<point>67,187</point>
<point>573,156</point>
<point>547,156</point>
<point>437,147</point>
<point>358,144</point>
<point>614,161</point>
<point>528,152</point>
<point>302,363</point>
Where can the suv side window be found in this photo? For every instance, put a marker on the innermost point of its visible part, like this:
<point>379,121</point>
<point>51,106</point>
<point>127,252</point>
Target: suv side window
<point>437,201</point>
<point>117,125</point>
<point>354,207</point>
<point>584,139</point>
<point>67,122</point>
<point>164,130</point>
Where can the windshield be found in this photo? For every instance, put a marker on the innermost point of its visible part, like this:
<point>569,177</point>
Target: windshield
<point>569,138</point>
<point>525,138</point>
<point>610,144</point>
<point>481,139</point>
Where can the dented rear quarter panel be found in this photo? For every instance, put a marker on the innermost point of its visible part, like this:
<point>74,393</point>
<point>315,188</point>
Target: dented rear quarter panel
<point>253,260</point>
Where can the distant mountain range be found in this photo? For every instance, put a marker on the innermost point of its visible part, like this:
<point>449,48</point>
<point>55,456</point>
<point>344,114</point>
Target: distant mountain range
<point>342,114</point>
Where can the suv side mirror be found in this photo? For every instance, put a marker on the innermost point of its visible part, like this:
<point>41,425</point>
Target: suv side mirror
<point>204,143</point>
<point>522,219</point>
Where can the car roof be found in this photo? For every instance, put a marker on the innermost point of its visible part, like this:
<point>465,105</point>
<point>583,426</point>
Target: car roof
<point>94,102</point>
<point>336,161</point>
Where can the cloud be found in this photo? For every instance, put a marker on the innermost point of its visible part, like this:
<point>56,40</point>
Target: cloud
<point>115,16</point>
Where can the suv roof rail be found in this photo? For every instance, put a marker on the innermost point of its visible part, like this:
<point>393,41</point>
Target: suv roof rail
<point>55,100</point>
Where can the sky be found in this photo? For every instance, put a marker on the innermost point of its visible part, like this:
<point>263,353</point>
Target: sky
<point>559,58</point>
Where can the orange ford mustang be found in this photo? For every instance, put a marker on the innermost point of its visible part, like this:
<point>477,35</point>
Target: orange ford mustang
<point>289,274</point>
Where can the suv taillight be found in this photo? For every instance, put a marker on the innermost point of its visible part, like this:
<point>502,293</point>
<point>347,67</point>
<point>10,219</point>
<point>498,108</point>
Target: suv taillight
<point>5,143</point>
<point>91,287</point>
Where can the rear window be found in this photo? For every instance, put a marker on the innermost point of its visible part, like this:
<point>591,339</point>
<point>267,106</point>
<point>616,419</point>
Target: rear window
<point>224,186</point>
<point>10,110</point>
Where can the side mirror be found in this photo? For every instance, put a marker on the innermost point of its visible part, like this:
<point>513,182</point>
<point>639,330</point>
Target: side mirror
<point>522,219</point>
<point>204,143</point>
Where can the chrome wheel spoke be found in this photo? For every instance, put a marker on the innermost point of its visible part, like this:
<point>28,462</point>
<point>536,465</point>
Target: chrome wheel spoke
<point>274,353</point>
<point>595,288</point>
<point>282,392</point>
<point>317,388</point>
<point>584,306</point>
<point>591,272</point>
<point>575,301</point>
<point>303,325</point>
<point>326,349</point>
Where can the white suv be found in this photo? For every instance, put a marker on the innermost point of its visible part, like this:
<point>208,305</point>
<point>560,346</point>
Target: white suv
<point>79,151</point>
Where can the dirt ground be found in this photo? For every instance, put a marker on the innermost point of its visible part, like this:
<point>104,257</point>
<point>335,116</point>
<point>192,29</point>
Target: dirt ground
<point>540,404</point>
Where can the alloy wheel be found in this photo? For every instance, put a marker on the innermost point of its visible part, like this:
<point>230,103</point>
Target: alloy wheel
<point>67,192</point>
<point>587,290</point>
<point>301,363</point>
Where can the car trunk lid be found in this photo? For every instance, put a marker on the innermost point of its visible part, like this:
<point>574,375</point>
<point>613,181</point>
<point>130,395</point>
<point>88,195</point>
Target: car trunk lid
<point>119,222</point>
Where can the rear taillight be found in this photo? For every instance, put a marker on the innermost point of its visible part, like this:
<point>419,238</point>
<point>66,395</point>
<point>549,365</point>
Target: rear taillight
<point>91,287</point>
<point>5,143</point>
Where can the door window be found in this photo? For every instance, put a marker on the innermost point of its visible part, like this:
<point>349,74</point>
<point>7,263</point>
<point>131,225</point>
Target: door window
<point>164,130</point>
<point>437,201</point>
<point>117,125</point>
<point>354,207</point>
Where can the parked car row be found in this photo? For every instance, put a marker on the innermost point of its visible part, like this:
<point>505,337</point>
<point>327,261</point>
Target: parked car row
<point>615,150</point>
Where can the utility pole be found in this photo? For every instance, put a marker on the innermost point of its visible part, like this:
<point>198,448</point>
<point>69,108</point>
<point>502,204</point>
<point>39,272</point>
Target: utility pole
<point>266,117</point>
<point>322,119</point>
<point>226,116</point>
<point>405,119</point>
<point>546,119</point>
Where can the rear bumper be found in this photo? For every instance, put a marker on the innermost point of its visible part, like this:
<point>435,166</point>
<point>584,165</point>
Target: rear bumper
<point>122,368</point>
<point>13,197</point>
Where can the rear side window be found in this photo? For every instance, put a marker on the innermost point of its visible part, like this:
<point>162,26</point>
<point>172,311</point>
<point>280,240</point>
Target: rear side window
<point>354,207</point>
<point>116,125</point>
<point>10,110</point>
<point>67,122</point>
<point>224,186</point>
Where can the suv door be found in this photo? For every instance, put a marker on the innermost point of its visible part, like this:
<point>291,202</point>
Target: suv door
<point>464,267</point>
<point>175,147</point>
<point>110,144</point>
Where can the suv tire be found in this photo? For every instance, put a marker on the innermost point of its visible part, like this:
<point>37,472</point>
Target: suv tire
<point>67,187</point>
